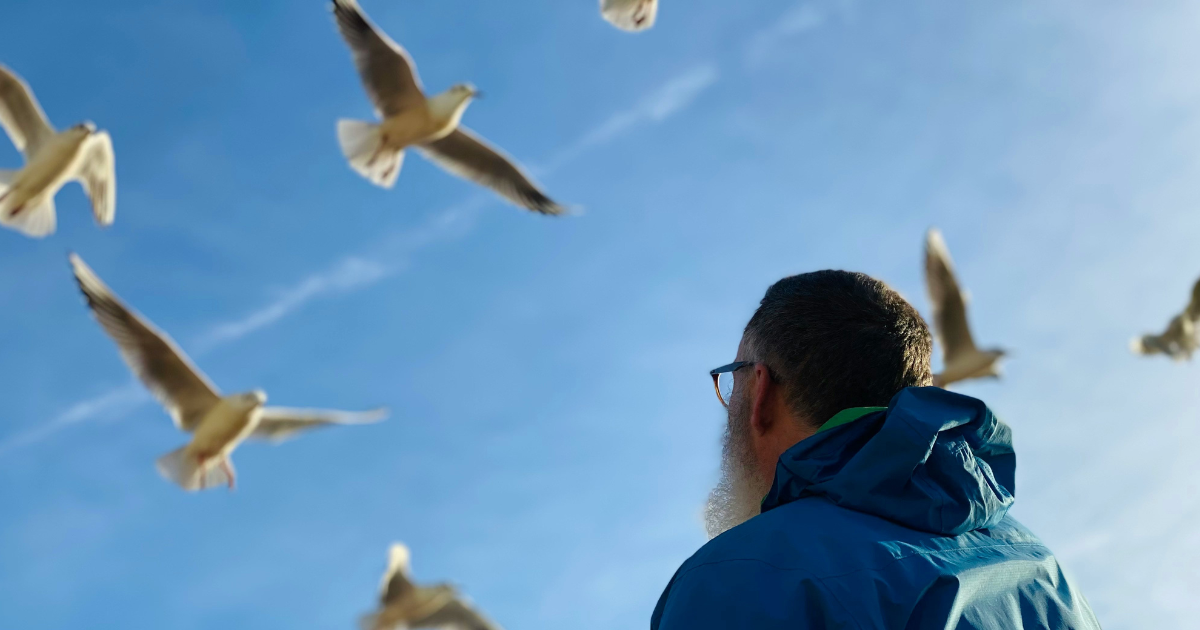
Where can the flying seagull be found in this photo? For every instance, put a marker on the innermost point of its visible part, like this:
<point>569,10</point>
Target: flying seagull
<point>630,15</point>
<point>961,360</point>
<point>218,424</point>
<point>409,119</point>
<point>403,604</point>
<point>52,159</point>
<point>1179,340</point>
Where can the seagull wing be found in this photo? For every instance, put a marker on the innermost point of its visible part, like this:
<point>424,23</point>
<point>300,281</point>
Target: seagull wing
<point>459,615</point>
<point>396,582</point>
<point>96,171</point>
<point>20,114</point>
<point>387,72</point>
<point>630,15</point>
<point>278,424</point>
<point>469,156</point>
<point>151,354</point>
<point>949,308</point>
<point>1193,308</point>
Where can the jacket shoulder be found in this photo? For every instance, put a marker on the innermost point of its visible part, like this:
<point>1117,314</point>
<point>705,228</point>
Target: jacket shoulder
<point>826,540</point>
<point>814,562</point>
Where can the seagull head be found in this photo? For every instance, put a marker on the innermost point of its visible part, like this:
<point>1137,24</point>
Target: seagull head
<point>256,398</point>
<point>87,126</point>
<point>466,91</point>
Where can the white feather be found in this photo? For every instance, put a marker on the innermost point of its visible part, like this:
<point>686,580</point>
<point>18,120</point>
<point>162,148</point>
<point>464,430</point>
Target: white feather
<point>360,143</point>
<point>630,15</point>
<point>181,467</point>
<point>37,221</point>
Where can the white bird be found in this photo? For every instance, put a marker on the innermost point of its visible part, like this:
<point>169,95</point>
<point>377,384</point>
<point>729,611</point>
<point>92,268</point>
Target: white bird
<point>1179,340</point>
<point>630,15</point>
<point>52,159</point>
<point>961,359</point>
<point>403,604</point>
<point>218,424</point>
<point>409,119</point>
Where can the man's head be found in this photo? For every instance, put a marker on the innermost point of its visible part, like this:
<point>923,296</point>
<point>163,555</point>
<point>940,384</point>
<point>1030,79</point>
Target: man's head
<point>819,343</point>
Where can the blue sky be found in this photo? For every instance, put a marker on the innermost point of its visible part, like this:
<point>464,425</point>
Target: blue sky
<point>554,431</point>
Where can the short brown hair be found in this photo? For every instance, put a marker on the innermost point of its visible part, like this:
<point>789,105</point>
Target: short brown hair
<point>839,339</point>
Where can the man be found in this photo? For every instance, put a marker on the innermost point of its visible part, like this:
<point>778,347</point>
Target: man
<point>883,501</point>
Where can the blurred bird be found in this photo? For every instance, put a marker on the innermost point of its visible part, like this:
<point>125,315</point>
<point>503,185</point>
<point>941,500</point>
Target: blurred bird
<point>961,360</point>
<point>403,604</point>
<point>1179,340</point>
<point>630,15</point>
<point>218,424</point>
<point>376,151</point>
<point>52,159</point>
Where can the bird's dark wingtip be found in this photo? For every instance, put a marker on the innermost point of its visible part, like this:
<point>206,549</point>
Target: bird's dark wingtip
<point>542,204</point>
<point>343,7</point>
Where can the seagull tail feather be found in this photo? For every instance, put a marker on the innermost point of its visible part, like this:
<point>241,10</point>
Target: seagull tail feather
<point>36,221</point>
<point>363,146</point>
<point>629,15</point>
<point>181,468</point>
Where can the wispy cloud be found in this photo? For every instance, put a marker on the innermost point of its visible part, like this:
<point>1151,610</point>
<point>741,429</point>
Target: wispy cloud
<point>804,17</point>
<point>346,275</point>
<point>673,97</point>
<point>384,258</point>
<point>113,401</point>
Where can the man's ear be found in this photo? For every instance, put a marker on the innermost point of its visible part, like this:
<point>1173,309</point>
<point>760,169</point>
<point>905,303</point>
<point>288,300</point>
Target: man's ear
<point>761,407</point>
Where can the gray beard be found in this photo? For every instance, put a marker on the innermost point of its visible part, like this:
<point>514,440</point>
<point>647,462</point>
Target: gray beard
<point>738,495</point>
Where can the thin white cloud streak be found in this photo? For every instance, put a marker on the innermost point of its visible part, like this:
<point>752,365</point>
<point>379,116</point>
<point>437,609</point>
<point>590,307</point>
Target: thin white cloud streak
<point>673,97</point>
<point>387,257</point>
<point>110,402</point>
<point>802,18</point>
<point>346,275</point>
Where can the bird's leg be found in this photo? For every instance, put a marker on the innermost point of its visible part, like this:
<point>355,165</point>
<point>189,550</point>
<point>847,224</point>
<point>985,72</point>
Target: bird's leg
<point>201,469</point>
<point>639,17</point>
<point>228,472</point>
<point>15,211</point>
<point>388,173</point>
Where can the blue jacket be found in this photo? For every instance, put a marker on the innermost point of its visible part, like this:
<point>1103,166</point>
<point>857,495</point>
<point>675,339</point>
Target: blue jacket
<point>894,520</point>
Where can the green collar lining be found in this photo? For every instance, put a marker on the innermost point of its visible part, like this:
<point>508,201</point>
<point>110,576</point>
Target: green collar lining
<point>846,416</point>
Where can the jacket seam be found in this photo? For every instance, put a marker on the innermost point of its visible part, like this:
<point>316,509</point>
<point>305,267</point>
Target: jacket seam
<point>932,552</point>
<point>876,568</point>
<point>846,608</point>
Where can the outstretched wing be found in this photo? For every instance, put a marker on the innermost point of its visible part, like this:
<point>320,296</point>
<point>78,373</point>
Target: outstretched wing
<point>1193,307</point>
<point>459,615</point>
<point>151,354</point>
<point>949,308</point>
<point>396,582</point>
<point>469,156</point>
<point>387,71</point>
<point>20,114</point>
<point>278,424</point>
<point>97,172</point>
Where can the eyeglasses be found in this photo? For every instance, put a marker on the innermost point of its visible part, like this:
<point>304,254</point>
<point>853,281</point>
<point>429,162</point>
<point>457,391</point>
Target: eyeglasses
<point>723,379</point>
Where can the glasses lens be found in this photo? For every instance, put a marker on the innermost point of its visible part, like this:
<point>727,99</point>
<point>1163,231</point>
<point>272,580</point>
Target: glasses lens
<point>725,386</point>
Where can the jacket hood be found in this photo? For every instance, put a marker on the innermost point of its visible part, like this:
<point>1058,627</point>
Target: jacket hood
<point>935,461</point>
